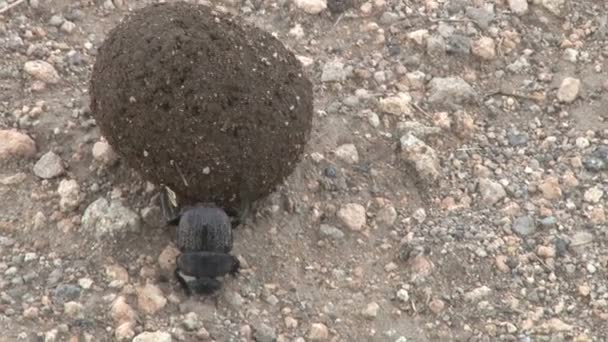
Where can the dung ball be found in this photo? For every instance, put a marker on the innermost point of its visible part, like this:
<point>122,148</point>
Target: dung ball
<point>215,108</point>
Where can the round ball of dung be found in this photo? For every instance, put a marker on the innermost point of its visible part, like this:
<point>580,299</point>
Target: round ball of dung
<point>216,109</point>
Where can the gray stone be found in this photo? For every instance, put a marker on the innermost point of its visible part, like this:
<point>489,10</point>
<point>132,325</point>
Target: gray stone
<point>524,225</point>
<point>331,232</point>
<point>333,71</point>
<point>421,156</point>
<point>49,166</point>
<point>450,89</point>
<point>109,218</point>
<point>480,15</point>
<point>42,70</point>
<point>158,336</point>
<point>69,194</point>
<point>65,293</point>
<point>264,333</point>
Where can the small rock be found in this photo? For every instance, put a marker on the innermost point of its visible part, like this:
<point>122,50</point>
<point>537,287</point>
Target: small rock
<point>65,293</point>
<point>291,323</point>
<point>386,216</point>
<point>331,232</point>
<point>158,336</point>
<point>117,275</point>
<point>14,144</point>
<point>191,322</point>
<point>597,215</point>
<point>333,71</point>
<point>518,7</point>
<point>42,71</point>
<point>17,178</point>
<point>417,129</point>
<point>517,138</point>
<point>418,36</point>
<point>554,6</point>
<point>491,192</point>
<point>31,313</point>
<point>550,189</point>
<point>352,215</point>
<point>390,267</point>
<point>593,195</point>
<point>436,306</point>
<point>524,225</point>
<point>150,298</point>
<point>371,310</point>
<point>545,252</point>
<point>584,290</point>
<point>264,333</point>
<point>122,312</point>
<point>167,257</point>
<point>422,156</point>
<point>397,105</point>
<point>580,239</point>
<point>103,152</point>
<point>347,153</point>
<point>501,263</point>
<point>49,166</point>
<point>311,6</point>
<point>555,325</point>
<point>484,48</point>
<point>318,332</point>
<point>568,90</point>
<point>478,294</point>
<point>124,331</point>
<point>73,309</point>
<point>69,195</point>
<point>450,90</point>
<point>56,20</point>
<point>109,218</point>
<point>403,295</point>
<point>595,162</point>
<point>548,222</point>
<point>67,26</point>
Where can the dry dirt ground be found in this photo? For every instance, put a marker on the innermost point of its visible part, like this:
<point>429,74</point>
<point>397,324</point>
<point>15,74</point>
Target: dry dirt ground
<point>453,188</point>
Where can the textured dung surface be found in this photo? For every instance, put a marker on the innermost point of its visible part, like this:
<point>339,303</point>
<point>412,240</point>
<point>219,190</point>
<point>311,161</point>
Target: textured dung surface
<point>204,229</point>
<point>214,108</point>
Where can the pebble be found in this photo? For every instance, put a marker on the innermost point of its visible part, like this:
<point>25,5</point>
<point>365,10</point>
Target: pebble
<point>371,310</point>
<point>347,153</point>
<point>517,138</point>
<point>436,306</point>
<point>104,153</point>
<point>311,6</point>
<point>158,336</point>
<point>68,27</point>
<point>109,218</point>
<point>518,7</point>
<point>397,105</point>
<point>595,162</point>
<point>554,6</point>
<point>17,178</point>
<point>333,71</point>
<point>548,222</point>
<point>478,294</point>
<point>166,259</point>
<point>85,283</point>
<point>191,322</point>
<point>117,275</point>
<point>318,332</point>
<point>352,215</point>
<point>73,309</point>
<point>124,331</point>
<point>403,295</point>
<point>42,71</point>
<point>545,252</point>
<point>422,156</point>
<point>264,333</point>
<point>65,293</point>
<point>49,166</point>
<point>122,312</point>
<point>524,225</point>
<point>331,232</point>
<point>593,195</point>
<point>14,144</point>
<point>150,298</point>
<point>568,90</point>
<point>56,20</point>
<point>580,239</point>
<point>484,48</point>
<point>491,192</point>
<point>450,90</point>
<point>550,188</point>
<point>69,195</point>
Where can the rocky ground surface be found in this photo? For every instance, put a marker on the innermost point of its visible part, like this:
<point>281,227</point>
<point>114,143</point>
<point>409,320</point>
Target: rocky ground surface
<point>454,188</point>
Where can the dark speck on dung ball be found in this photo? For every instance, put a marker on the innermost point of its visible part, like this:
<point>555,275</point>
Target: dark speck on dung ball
<point>214,108</point>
